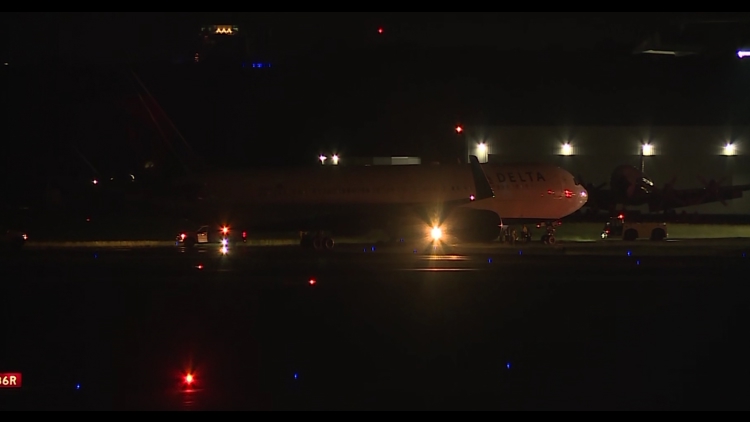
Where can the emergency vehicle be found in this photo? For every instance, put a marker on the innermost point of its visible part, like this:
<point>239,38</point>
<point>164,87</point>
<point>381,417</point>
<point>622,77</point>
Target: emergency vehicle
<point>205,235</point>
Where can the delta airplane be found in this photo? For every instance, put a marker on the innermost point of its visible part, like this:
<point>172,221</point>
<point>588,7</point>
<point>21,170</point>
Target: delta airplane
<point>463,202</point>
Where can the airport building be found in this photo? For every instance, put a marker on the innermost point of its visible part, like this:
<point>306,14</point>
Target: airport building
<point>687,155</point>
<point>370,161</point>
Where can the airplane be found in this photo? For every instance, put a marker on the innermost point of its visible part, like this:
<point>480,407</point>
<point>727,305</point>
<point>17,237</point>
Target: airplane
<point>467,202</point>
<point>629,186</point>
<point>458,202</point>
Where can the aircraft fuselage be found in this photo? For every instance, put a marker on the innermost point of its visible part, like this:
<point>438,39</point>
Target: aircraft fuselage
<point>330,195</point>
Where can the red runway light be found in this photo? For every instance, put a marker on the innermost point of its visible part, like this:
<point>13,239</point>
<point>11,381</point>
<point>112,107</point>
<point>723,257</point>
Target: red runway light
<point>189,380</point>
<point>313,282</point>
<point>380,30</point>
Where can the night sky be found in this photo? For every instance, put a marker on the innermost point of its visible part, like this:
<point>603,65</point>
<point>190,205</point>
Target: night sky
<point>117,36</point>
<point>339,85</point>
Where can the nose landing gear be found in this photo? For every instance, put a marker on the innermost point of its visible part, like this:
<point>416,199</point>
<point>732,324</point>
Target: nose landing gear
<point>549,236</point>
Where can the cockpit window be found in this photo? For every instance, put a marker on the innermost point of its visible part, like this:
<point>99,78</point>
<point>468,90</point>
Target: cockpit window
<point>576,181</point>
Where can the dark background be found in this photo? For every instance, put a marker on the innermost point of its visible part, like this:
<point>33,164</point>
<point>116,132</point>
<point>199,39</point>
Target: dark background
<point>337,85</point>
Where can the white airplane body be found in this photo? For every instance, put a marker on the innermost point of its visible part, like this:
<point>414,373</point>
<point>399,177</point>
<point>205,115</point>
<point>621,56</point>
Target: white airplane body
<point>518,192</point>
<point>262,198</point>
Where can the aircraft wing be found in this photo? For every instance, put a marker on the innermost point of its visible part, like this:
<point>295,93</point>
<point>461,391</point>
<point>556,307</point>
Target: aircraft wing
<point>482,188</point>
<point>682,198</point>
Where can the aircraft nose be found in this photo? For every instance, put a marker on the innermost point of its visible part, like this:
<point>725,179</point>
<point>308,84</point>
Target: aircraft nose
<point>581,196</point>
<point>584,196</point>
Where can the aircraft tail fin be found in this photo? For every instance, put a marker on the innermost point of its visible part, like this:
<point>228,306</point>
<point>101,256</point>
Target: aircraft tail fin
<point>481,183</point>
<point>182,151</point>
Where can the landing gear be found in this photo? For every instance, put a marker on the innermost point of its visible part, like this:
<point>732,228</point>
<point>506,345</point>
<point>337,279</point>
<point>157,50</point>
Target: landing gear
<point>549,236</point>
<point>511,235</point>
<point>319,241</point>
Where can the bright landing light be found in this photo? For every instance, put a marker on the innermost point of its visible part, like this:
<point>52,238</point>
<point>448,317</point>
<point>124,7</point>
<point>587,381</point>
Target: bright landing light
<point>567,150</point>
<point>437,234</point>
<point>730,150</point>
<point>648,150</point>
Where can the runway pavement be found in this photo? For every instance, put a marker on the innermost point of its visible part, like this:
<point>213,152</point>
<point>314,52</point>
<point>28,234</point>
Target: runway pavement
<point>364,254</point>
<point>684,247</point>
<point>367,327</point>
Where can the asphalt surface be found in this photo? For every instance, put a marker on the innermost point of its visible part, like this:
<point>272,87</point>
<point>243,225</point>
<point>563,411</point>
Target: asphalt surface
<point>502,328</point>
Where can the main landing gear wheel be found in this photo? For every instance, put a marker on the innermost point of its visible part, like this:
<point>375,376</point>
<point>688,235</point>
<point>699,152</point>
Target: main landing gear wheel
<point>549,240</point>
<point>318,243</point>
<point>323,244</point>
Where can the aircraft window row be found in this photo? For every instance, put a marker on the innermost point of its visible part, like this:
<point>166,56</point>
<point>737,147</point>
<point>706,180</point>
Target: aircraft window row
<point>361,191</point>
<point>282,191</point>
<point>516,186</point>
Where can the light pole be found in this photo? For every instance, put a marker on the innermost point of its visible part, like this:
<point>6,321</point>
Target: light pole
<point>647,150</point>
<point>730,151</point>
<point>483,150</point>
